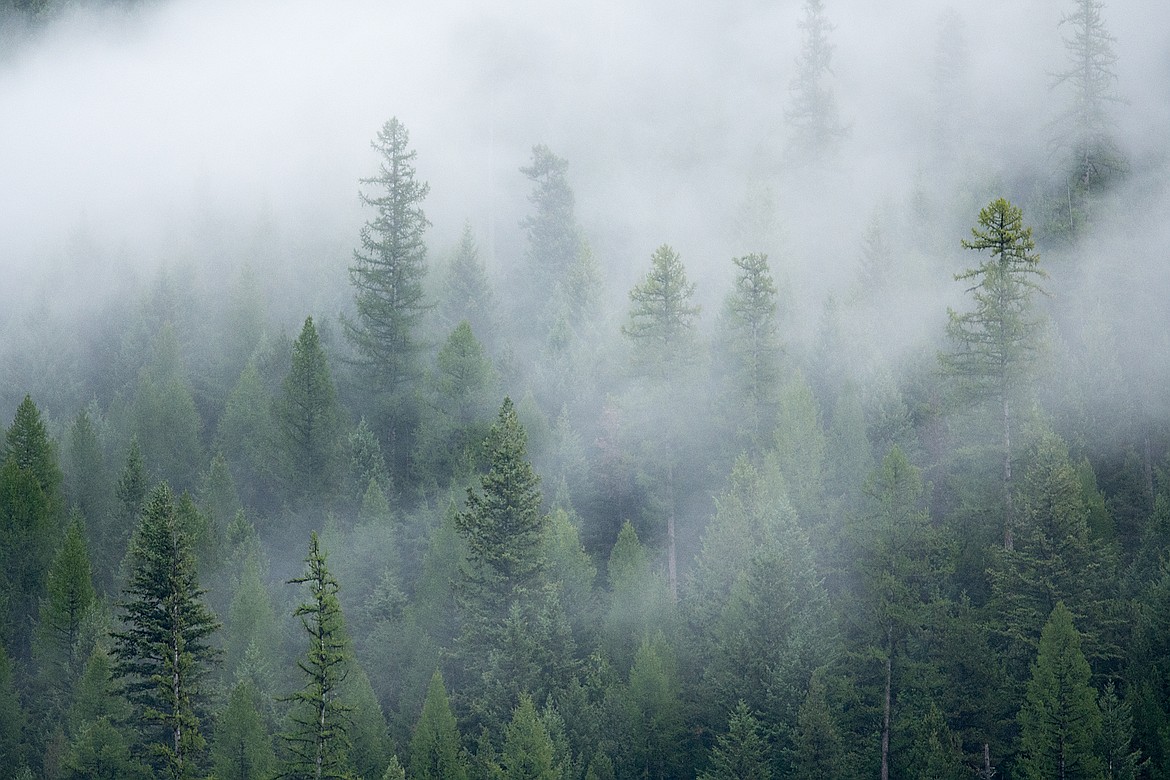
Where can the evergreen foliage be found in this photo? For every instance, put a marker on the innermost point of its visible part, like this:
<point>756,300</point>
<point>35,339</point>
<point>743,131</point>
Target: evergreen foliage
<point>1060,723</point>
<point>318,739</point>
<point>388,269</point>
<point>163,652</point>
<point>435,753</point>
<point>309,420</point>
<point>661,324</point>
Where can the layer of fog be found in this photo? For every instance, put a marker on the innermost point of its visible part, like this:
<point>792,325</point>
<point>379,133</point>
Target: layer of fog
<point>217,133</point>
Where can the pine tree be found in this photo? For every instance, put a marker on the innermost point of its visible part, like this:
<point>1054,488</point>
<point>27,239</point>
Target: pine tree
<point>467,292</point>
<point>388,269</point>
<point>997,344</point>
<point>435,753</point>
<point>166,422</point>
<point>1122,761</point>
<point>751,348</point>
<point>503,526</point>
<point>661,324</point>
<point>28,532</point>
<point>1059,723</point>
<point>813,113</point>
<point>69,599</point>
<point>741,753</point>
<point>562,284</point>
<point>309,417</point>
<point>28,445</point>
<point>242,748</point>
<point>900,562</point>
<point>247,435</point>
<point>164,650</point>
<point>1083,132</point>
<point>318,741</point>
<point>528,749</point>
<point>653,708</point>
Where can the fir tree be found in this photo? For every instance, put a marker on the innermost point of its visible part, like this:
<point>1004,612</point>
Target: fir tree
<point>388,269</point>
<point>69,599</point>
<point>1059,723</point>
<point>528,749</point>
<point>309,419</point>
<point>242,748</point>
<point>661,324</point>
<point>996,345</point>
<point>435,753</point>
<point>164,651</point>
<point>812,114</point>
<point>741,753</point>
<point>318,741</point>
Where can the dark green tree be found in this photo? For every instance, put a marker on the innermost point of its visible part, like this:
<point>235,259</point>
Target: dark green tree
<point>318,741</point>
<point>661,322</point>
<point>741,753</point>
<point>1122,761</point>
<point>13,718</point>
<point>996,345</point>
<point>1060,723</point>
<point>435,753</point>
<point>88,485</point>
<point>28,533</point>
<point>69,600</point>
<point>28,445</point>
<point>309,420</point>
<point>900,562</point>
<point>388,270</point>
<point>163,651</point>
<point>653,709</point>
<point>503,527</point>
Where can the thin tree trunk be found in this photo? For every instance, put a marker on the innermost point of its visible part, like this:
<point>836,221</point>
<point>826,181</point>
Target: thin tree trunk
<point>886,709</point>
<point>988,772</point>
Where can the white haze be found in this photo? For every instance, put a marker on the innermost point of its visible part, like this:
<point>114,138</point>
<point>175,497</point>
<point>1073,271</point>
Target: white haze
<point>222,132</point>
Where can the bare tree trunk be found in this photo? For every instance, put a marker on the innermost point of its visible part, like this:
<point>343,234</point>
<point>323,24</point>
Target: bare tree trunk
<point>671,558</point>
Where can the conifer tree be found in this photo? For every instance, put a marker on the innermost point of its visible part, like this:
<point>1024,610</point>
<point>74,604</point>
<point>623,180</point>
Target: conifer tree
<point>741,753</point>
<point>435,753</point>
<point>28,445</point>
<point>318,742</point>
<point>69,599</point>
<point>242,748</point>
<point>467,291</point>
<point>813,114</point>
<point>752,347</point>
<point>309,419</point>
<point>661,324</point>
<point>1083,132</point>
<point>1060,723</point>
<point>996,345</point>
<point>503,526</point>
<point>388,270</point>
<point>164,650</point>
<point>563,279</point>
<point>528,749</point>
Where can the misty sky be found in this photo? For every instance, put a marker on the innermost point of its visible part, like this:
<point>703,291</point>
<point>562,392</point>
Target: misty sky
<point>129,135</point>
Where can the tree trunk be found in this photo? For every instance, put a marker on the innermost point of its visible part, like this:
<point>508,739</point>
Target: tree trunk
<point>671,558</point>
<point>886,707</point>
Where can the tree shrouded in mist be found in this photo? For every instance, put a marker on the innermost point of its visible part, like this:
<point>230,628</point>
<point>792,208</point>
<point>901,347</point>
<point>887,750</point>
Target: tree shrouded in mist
<point>388,269</point>
<point>996,345</point>
<point>309,417</point>
<point>812,113</point>
<point>1084,132</point>
<point>661,325</point>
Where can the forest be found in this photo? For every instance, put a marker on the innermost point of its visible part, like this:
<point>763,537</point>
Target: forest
<point>715,416</point>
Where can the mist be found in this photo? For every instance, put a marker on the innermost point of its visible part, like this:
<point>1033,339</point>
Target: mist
<point>180,189</point>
